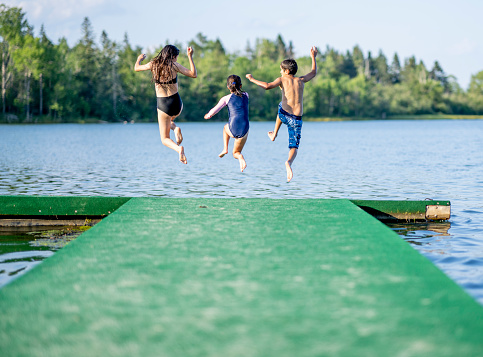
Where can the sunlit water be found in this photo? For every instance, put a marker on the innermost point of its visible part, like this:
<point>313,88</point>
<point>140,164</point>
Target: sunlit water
<point>383,160</point>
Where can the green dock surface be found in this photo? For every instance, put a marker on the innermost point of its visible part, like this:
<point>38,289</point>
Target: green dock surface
<point>238,277</point>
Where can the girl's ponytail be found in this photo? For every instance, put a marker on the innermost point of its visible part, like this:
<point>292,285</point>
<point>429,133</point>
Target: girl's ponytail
<point>234,84</point>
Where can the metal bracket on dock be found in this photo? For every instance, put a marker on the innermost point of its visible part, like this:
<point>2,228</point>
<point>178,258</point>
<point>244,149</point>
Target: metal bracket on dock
<point>438,212</point>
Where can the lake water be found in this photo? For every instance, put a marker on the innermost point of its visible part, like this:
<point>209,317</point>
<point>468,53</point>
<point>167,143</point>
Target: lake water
<point>22,248</point>
<point>382,160</point>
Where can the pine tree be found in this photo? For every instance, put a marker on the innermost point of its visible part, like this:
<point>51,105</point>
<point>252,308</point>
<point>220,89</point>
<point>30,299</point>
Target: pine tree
<point>438,75</point>
<point>290,51</point>
<point>13,28</point>
<point>348,67</point>
<point>380,70</point>
<point>281,49</point>
<point>358,58</point>
<point>395,70</point>
<point>86,69</point>
<point>48,62</point>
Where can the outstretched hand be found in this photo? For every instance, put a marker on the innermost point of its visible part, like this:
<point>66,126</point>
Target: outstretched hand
<point>207,116</point>
<point>314,51</point>
<point>190,51</point>
<point>249,77</point>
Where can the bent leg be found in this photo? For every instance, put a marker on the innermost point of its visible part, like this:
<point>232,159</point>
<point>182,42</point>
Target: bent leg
<point>176,129</point>
<point>226,139</point>
<point>164,122</point>
<point>237,148</point>
<point>273,134</point>
<point>177,132</point>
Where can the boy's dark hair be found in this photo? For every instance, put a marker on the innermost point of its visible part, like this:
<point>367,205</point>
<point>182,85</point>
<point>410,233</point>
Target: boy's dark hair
<point>233,82</point>
<point>291,65</point>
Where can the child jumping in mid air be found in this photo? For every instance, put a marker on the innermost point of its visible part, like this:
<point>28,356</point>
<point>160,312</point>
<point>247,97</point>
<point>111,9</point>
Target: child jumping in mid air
<point>164,68</point>
<point>290,109</point>
<point>237,126</point>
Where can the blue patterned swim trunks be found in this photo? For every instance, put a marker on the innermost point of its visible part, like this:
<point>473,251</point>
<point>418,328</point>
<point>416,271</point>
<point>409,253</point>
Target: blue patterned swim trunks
<point>294,125</point>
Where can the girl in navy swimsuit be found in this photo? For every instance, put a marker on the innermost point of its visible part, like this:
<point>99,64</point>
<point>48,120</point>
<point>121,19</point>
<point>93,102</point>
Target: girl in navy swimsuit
<point>237,127</point>
<point>165,68</point>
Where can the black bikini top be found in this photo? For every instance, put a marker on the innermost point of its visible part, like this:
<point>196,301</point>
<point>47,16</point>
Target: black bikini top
<point>171,81</point>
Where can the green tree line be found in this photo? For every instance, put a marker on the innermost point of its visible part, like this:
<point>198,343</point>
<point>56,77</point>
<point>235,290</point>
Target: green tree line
<point>47,82</point>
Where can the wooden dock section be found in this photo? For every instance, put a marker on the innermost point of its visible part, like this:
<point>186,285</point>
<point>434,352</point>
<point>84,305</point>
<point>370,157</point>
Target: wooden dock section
<point>234,277</point>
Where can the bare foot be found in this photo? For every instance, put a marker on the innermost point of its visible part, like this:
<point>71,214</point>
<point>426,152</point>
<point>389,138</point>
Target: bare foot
<point>223,153</point>
<point>178,135</point>
<point>272,135</point>
<point>289,171</point>
<point>243,164</point>
<point>182,156</point>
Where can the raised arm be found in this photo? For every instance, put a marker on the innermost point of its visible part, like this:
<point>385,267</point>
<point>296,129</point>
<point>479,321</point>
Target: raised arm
<point>265,85</point>
<point>313,72</point>
<point>188,72</point>
<point>141,67</point>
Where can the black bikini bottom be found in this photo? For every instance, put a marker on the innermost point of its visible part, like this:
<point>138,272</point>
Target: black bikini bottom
<point>170,105</point>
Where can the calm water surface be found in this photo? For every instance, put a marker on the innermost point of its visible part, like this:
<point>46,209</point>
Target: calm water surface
<point>384,160</point>
<point>22,248</point>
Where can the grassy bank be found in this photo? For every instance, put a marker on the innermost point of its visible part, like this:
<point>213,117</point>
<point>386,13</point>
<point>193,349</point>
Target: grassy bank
<point>436,116</point>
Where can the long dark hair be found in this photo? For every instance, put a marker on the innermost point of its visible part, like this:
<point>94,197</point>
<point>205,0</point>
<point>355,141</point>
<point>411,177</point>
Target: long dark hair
<point>234,84</point>
<point>163,63</point>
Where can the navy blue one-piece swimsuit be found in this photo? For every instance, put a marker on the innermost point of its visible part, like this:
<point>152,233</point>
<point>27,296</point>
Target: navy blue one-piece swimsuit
<point>238,115</point>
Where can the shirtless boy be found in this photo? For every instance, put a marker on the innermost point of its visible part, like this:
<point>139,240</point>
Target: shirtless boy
<point>290,110</point>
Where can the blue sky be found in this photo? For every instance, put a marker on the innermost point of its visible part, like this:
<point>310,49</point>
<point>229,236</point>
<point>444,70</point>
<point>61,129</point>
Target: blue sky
<point>446,31</point>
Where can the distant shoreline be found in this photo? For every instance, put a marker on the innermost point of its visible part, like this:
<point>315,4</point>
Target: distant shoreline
<point>255,119</point>
<point>403,117</point>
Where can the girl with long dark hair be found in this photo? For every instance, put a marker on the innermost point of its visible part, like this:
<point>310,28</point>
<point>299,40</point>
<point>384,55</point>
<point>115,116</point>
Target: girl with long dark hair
<point>164,68</point>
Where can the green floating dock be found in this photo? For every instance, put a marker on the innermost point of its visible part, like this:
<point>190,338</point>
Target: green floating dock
<point>237,277</point>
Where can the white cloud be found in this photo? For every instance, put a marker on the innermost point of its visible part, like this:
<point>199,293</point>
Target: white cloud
<point>463,47</point>
<point>60,10</point>
<point>63,18</point>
